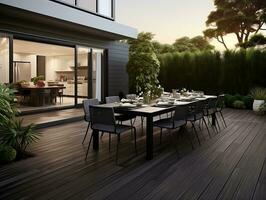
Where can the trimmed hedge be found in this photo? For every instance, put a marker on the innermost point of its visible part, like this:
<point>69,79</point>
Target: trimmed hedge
<point>234,72</point>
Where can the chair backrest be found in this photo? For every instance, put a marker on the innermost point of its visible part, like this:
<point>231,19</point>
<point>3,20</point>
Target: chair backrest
<point>112,99</point>
<point>212,103</point>
<point>86,107</point>
<point>102,116</point>
<point>181,113</point>
<point>198,107</point>
<point>220,102</point>
<point>131,96</point>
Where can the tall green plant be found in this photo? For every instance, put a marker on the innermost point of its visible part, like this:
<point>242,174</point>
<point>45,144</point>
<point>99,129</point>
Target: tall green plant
<point>143,66</point>
<point>12,132</point>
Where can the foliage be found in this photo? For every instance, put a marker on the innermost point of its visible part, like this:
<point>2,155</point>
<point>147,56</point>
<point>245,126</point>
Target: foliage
<point>239,104</point>
<point>254,41</point>
<point>248,100</point>
<point>7,103</point>
<point>18,136</point>
<point>36,79</point>
<point>258,93</point>
<point>143,66</point>
<point>198,43</point>
<point>234,72</point>
<point>12,133</point>
<point>7,154</point>
<point>238,17</point>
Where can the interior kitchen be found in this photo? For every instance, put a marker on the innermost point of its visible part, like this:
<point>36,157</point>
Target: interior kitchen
<point>45,74</point>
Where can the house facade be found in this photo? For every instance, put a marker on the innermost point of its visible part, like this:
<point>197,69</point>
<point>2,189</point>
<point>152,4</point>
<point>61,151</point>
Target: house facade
<point>71,46</point>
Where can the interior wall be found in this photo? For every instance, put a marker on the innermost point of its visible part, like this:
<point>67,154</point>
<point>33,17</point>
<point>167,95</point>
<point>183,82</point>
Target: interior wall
<point>58,63</point>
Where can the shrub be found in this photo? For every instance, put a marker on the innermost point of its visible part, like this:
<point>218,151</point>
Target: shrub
<point>239,104</point>
<point>248,100</point>
<point>7,154</point>
<point>229,100</point>
<point>233,72</point>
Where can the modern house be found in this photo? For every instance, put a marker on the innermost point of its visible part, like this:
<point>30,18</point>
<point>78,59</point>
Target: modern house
<point>74,45</point>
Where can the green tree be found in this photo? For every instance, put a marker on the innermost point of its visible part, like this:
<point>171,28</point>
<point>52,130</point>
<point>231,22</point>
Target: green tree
<point>239,17</point>
<point>254,41</point>
<point>143,66</point>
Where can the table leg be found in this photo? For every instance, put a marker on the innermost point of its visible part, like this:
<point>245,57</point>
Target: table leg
<point>95,140</point>
<point>149,138</point>
<point>213,119</point>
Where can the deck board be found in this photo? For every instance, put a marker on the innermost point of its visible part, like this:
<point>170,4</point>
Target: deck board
<point>229,165</point>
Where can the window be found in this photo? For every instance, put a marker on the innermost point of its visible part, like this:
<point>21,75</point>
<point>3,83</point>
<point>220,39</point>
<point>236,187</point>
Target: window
<point>87,4</point>
<point>72,2</point>
<point>105,7</point>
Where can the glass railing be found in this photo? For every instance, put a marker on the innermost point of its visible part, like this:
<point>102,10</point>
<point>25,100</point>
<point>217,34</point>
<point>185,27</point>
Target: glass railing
<point>103,8</point>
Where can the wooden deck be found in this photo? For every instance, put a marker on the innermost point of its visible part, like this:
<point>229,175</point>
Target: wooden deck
<point>230,165</point>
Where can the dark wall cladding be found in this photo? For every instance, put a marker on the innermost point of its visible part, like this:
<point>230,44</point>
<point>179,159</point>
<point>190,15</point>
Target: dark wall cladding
<point>45,30</point>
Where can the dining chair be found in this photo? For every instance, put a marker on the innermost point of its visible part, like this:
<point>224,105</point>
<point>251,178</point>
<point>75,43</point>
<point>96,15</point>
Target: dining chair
<point>196,113</point>
<point>103,119</point>
<point>120,117</point>
<point>178,120</point>
<point>220,104</point>
<point>86,107</point>
<point>210,111</point>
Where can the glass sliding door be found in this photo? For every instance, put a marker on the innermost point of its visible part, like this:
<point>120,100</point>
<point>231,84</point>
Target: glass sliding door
<point>83,73</point>
<point>4,59</point>
<point>97,67</point>
<point>90,67</point>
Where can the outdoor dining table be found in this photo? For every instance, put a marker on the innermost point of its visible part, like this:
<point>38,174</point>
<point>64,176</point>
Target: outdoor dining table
<point>147,111</point>
<point>144,111</point>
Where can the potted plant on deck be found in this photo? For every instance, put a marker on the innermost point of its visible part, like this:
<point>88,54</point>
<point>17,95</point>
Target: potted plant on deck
<point>13,135</point>
<point>259,96</point>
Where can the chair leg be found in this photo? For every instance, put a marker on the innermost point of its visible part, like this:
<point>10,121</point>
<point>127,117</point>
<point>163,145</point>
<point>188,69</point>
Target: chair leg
<point>206,127</point>
<point>194,128</point>
<point>117,147</point>
<point>109,142</point>
<point>89,146</point>
<point>102,134</point>
<point>86,133</point>
<point>222,118</point>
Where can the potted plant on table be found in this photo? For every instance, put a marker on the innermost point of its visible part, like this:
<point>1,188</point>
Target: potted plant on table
<point>259,96</point>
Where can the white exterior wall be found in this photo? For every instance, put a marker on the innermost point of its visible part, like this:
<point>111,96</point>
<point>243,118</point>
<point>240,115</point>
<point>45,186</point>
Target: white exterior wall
<point>63,12</point>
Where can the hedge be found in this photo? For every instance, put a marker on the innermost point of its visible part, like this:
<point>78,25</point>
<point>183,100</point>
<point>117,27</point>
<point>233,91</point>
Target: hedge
<point>234,72</point>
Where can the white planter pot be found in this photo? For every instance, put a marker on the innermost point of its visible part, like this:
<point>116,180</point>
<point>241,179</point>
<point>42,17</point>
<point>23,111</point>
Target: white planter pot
<point>257,104</point>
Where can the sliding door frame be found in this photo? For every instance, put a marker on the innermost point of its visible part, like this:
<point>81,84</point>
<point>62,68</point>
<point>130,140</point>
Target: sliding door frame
<point>59,42</point>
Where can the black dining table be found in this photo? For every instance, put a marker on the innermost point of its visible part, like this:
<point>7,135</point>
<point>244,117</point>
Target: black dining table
<point>147,111</point>
<point>144,111</point>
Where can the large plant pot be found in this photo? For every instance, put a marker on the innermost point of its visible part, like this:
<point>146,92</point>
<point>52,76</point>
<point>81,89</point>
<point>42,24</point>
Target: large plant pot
<point>257,104</point>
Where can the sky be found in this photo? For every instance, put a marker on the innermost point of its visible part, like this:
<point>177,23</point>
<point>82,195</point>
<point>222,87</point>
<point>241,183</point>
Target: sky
<point>168,19</point>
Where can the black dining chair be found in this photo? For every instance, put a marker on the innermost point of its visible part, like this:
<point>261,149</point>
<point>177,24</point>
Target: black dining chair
<point>196,113</point>
<point>210,112</point>
<point>220,104</point>
<point>178,120</point>
<point>120,117</point>
<point>86,107</point>
<point>103,119</point>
